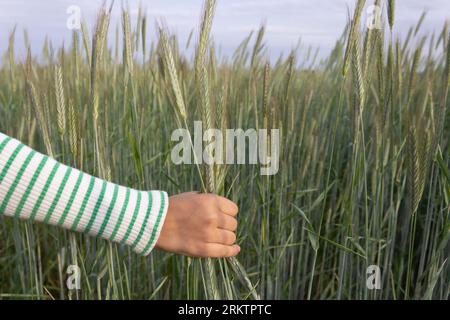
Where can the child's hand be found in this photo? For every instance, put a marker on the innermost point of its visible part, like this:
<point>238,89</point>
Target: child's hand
<point>200,225</point>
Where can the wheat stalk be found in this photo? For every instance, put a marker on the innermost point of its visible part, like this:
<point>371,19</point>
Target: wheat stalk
<point>60,102</point>
<point>73,131</point>
<point>128,43</point>
<point>202,82</point>
<point>353,33</point>
<point>169,64</point>
<point>36,105</point>
<point>358,76</point>
<point>257,46</point>
<point>391,13</point>
<point>85,36</point>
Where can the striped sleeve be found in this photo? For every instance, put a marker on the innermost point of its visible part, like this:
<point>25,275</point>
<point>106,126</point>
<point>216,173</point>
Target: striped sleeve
<point>36,187</point>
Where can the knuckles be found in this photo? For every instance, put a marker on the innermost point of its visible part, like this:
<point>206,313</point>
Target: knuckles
<point>215,203</point>
<point>209,201</point>
<point>211,219</point>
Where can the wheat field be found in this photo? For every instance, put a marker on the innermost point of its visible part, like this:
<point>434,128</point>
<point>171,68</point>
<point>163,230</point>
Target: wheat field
<point>363,177</point>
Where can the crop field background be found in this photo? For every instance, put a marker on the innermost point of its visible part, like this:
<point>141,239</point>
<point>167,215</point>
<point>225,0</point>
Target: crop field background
<point>364,174</point>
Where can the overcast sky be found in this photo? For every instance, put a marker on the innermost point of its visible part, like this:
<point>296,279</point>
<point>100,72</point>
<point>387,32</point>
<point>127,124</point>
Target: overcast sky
<point>318,23</point>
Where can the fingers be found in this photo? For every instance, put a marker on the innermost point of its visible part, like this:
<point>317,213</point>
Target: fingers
<point>223,237</point>
<point>215,228</point>
<point>224,205</point>
<point>227,206</point>
<point>227,222</point>
<point>215,250</point>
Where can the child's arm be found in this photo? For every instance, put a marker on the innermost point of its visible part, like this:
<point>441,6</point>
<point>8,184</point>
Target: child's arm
<point>34,186</point>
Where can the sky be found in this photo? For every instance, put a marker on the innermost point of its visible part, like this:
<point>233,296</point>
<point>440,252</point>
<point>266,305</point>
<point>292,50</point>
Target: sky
<point>317,23</point>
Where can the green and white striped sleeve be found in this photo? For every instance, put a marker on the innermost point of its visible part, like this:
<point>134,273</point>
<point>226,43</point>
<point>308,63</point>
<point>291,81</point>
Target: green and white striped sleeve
<point>34,186</point>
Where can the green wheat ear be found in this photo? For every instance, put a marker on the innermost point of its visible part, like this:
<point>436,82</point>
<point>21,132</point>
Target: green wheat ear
<point>391,13</point>
<point>60,101</point>
<point>73,130</point>
<point>128,43</point>
<point>36,104</point>
<point>417,152</point>
<point>169,64</point>
<point>353,33</point>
